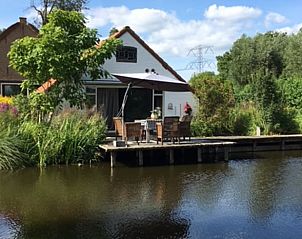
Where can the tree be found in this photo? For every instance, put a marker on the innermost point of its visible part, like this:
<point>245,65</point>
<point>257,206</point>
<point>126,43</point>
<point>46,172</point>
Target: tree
<point>46,7</point>
<point>113,31</point>
<point>65,50</point>
<point>293,56</point>
<point>215,98</point>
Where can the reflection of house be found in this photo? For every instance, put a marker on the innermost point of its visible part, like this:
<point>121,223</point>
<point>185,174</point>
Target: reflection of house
<point>9,79</point>
<point>135,56</point>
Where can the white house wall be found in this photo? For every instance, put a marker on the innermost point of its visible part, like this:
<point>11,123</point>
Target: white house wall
<point>177,100</point>
<point>147,61</point>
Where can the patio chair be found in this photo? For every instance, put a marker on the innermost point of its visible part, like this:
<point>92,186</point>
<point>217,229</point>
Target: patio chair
<point>117,121</point>
<point>184,127</point>
<point>131,129</point>
<point>168,129</point>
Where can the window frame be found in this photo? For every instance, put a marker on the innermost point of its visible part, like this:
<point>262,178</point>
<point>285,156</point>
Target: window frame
<point>3,84</point>
<point>90,94</point>
<point>126,54</point>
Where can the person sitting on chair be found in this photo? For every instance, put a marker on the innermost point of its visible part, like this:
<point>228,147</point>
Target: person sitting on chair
<point>188,111</point>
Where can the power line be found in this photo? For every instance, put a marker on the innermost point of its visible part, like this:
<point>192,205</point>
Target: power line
<point>202,55</point>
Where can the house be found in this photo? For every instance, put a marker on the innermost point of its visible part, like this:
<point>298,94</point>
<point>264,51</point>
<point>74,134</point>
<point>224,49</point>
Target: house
<point>10,80</point>
<point>135,56</point>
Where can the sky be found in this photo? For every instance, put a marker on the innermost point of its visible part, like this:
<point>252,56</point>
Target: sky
<point>174,28</point>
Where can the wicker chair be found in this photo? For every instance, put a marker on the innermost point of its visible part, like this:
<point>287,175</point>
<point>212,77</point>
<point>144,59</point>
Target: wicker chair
<point>184,127</point>
<point>117,121</point>
<point>131,129</point>
<point>168,129</point>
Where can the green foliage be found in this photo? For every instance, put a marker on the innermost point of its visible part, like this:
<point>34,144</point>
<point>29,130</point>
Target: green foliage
<point>46,7</point>
<point>70,137</point>
<point>244,120</point>
<point>255,66</point>
<point>12,154</point>
<point>251,57</point>
<point>293,56</point>
<point>291,90</point>
<point>215,99</point>
<point>65,50</point>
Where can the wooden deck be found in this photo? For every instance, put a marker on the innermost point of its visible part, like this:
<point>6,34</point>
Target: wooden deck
<point>200,148</point>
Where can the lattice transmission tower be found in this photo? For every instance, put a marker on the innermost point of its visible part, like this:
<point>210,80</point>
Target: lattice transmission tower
<point>203,58</point>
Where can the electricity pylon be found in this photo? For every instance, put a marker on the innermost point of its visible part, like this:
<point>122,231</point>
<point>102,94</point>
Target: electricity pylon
<point>202,59</point>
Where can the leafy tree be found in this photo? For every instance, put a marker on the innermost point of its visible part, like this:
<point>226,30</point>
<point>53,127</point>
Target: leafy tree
<point>293,56</point>
<point>251,57</point>
<point>65,50</point>
<point>46,7</point>
<point>215,99</point>
<point>113,31</point>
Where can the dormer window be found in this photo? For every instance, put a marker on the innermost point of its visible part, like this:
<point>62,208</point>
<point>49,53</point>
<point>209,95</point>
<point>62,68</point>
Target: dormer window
<point>126,54</point>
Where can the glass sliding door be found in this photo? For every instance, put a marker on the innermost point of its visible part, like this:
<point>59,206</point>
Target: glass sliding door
<point>139,103</point>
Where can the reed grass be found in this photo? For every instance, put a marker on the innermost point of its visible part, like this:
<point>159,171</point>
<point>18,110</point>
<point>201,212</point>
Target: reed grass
<point>70,137</point>
<point>12,154</point>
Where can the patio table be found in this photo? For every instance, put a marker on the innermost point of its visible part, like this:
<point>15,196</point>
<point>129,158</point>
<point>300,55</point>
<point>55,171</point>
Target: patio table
<point>148,125</point>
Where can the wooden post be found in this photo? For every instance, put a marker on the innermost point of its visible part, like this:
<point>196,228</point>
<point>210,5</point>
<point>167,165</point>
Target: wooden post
<point>226,154</point>
<point>283,145</point>
<point>113,159</point>
<point>254,146</point>
<point>171,156</point>
<point>216,153</point>
<point>199,158</point>
<point>140,158</point>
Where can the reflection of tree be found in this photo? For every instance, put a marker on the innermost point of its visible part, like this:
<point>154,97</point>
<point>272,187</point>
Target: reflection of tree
<point>163,226</point>
<point>267,179</point>
<point>72,202</point>
<point>209,183</point>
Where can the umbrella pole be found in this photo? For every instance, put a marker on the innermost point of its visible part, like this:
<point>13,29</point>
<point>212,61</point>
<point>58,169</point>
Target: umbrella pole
<point>123,108</point>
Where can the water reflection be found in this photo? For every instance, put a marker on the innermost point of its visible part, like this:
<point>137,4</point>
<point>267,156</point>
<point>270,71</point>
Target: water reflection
<point>258,198</point>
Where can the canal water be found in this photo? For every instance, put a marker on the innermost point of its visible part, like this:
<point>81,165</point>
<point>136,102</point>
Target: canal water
<point>247,198</point>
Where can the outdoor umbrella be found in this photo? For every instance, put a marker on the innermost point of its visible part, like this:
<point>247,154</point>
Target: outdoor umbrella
<point>153,81</point>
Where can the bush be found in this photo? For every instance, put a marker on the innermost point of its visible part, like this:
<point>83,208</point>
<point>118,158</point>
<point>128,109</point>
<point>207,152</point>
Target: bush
<point>12,154</point>
<point>71,136</point>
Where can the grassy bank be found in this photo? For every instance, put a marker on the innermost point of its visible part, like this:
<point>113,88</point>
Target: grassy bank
<point>70,137</point>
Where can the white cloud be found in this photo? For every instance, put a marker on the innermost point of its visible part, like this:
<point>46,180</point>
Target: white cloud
<point>274,18</point>
<point>231,14</point>
<point>219,27</point>
<point>290,30</point>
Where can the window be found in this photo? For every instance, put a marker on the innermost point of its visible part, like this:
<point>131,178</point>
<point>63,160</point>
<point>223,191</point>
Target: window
<point>10,89</point>
<point>90,96</point>
<point>126,54</point>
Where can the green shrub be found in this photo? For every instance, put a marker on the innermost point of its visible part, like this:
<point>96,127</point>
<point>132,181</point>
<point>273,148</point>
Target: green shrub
<point>243,123</point>
<point>12,154</point>
<point>71,136</point>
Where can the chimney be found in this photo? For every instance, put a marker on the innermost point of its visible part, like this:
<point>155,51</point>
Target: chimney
<point>23,20</point>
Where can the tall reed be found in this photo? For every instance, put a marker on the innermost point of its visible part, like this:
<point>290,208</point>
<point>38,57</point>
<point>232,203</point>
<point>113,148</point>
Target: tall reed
<point>12,154</point>
<point>70,137</point>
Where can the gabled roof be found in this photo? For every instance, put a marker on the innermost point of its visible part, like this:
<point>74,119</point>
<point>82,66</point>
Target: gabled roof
<point>48,84</point>
<point>149,49</point>
<point>14,26</point>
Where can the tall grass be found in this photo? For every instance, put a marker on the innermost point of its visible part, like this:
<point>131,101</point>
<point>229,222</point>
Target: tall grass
<point>12,154</point>
<point>70,137</point>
